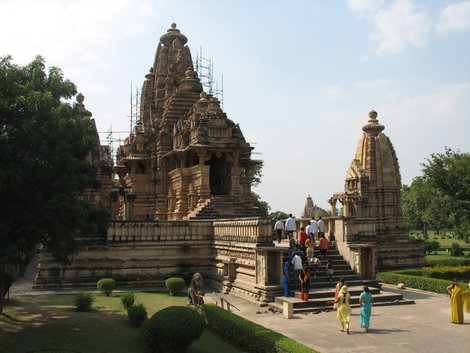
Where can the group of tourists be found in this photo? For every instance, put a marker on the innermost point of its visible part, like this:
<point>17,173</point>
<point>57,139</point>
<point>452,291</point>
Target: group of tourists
<point>342,304</point>
<point>315,228</point>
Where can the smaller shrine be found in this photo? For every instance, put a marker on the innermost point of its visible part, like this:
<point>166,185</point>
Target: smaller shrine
<point>311,210</point>
<point>371,233</point>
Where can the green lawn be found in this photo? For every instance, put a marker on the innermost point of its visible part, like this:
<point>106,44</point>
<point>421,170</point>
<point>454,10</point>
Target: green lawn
<point>446,242</point>
<point>42,322</point>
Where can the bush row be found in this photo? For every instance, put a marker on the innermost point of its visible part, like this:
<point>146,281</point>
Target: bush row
<point>423,283</point>
<point>447,261</point>
<point>447,272</point>
<point>248,335</point>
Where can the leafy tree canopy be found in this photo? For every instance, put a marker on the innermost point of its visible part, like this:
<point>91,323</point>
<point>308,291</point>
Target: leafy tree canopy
<point>44,145</point>
<point>449,173</point>
<point>440,198</point>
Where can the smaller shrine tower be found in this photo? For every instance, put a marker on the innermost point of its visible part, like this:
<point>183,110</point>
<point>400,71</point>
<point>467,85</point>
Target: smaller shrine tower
<point>371,233</point>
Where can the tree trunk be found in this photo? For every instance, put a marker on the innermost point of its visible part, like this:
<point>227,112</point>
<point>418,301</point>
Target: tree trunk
<point>425,232</point>
<point>2,285</point>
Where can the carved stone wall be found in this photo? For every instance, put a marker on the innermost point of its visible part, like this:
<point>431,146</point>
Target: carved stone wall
<point>237,256</point>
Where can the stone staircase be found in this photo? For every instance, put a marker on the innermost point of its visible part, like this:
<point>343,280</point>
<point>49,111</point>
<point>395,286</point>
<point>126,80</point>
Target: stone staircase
<point>322,290</point>
<point>222,206</point>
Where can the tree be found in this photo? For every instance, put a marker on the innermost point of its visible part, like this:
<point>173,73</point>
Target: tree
<point>449,172</point>
<point>262,205</point>
<point>43,146</point>
<point>278,214</point>
<point>430,246</point>
<point>424,206</point>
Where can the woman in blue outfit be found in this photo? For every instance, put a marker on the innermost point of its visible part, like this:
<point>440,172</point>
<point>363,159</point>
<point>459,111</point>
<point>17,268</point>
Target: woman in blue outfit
<point>366,301</point>
<point>286,279</point>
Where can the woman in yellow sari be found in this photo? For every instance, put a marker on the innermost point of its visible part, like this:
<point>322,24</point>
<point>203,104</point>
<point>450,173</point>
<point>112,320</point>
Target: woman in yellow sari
<point>459,299</point>
<point>344,308</point>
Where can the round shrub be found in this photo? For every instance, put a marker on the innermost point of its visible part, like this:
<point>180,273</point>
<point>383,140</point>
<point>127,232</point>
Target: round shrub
<point>106,285</point>
<point>137,314</point>
<point>127,300</point>
<point>83,301</point>
<point>172,330</point>
<point>175,285</point>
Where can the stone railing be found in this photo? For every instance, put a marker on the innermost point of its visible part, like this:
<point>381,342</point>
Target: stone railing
<point>159,231</point>
<point>251,230</point>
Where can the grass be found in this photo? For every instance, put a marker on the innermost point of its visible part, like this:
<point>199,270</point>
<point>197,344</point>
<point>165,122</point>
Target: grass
<point>445,243</point>
<point>33,323</point>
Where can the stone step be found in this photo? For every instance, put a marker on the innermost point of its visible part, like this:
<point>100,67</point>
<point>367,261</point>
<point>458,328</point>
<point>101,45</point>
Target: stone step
<point>326,302</point>
<point>279,307</point>
<point>330,293</point>
<point>350,281</point>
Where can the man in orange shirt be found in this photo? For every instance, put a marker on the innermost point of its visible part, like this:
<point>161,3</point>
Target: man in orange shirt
<point>323,246</point>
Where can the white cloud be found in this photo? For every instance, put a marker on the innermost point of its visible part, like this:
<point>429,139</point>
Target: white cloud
<point>380,83</point>
<point>364,59</point>
<point>400,24</point>
<point>454,17</point>
<point>332,94</point>
<point>365,5</point>
<point>63,29</point>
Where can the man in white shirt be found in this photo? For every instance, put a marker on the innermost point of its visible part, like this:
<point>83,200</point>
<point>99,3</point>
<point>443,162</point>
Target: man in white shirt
<point>290,225</point>
<point>308,229</point>
<point>278,227</point>
<point>321,227</point>
<point>297,262</point>
<point>313,228</point>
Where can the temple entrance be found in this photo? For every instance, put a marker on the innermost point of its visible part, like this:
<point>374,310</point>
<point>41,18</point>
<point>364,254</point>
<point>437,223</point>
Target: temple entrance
<point>218,175</point>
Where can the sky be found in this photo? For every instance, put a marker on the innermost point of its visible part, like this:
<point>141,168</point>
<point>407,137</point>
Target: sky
<point>299,76</point>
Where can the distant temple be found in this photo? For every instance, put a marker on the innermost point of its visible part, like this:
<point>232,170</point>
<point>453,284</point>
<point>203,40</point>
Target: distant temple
<point>371,233</point>
<point>184,159</point>
<point>311,210</point>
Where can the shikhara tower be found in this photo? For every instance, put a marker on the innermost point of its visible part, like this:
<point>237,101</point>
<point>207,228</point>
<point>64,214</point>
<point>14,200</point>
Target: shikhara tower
<point>371,233</point>
<point>184,159</point>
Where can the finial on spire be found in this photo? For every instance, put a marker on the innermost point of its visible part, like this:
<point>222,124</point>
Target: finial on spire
<point>173,25</point>
<point>82,112</point>
<point>80,98</point>
<point>373,127</point>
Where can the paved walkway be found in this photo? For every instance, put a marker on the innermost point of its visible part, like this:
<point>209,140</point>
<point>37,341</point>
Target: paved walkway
<point>422,327</point>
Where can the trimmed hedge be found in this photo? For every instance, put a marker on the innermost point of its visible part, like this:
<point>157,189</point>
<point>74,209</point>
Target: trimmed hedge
<point>83,301</point>
<point>447,262</point>
<point>175,285</point>
<point>137,314</point>
<point>423,283</point>
<point>127,300</point>
<point>106,285</point>
<point>248,335</point>
<point>447,272</point>
<point>172,330</point>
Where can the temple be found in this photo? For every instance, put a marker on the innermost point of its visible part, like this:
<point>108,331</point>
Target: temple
<point>371,233</point>
<point>311,210</point>
<point>182,202</point>
<point>184,159</point>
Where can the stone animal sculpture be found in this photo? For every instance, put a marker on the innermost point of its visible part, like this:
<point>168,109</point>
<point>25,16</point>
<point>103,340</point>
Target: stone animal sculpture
<point>195,292</point>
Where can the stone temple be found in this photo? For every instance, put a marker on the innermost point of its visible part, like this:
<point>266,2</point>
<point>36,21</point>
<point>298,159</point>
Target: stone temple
<point>182,202</point>
<point>184,159</point>
<point>371,233</point>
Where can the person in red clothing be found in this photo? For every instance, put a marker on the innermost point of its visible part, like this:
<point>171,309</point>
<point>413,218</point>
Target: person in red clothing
<point>302,239</point>
<point>323,246</point>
